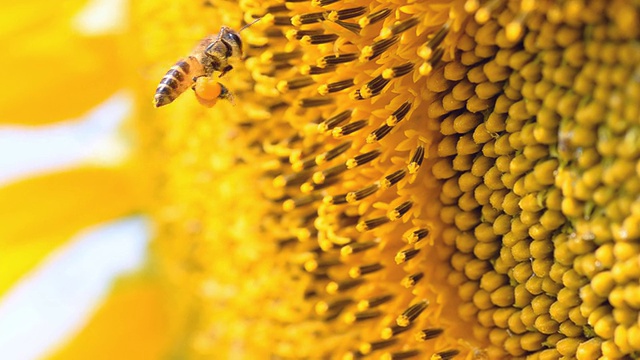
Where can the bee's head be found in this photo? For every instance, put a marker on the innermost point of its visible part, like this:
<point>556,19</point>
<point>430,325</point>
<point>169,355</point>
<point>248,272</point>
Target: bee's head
<point>233,39</point>
<point>232,44</point>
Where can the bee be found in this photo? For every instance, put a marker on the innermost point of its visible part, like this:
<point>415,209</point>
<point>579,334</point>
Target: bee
<point>210,55</point>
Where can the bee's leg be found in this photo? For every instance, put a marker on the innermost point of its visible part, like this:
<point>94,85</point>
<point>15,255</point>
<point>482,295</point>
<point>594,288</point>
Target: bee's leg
<point>226,94</point>
<point>195,79</point>
<point>225,70</point>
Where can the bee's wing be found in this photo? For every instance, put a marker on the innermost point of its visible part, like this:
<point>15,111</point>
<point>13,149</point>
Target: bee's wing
<point>204,44</point>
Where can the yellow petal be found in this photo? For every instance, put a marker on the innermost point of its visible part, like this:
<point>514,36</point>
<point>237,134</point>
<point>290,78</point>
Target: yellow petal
<point>19,257</point>
<point>51,71</point>
<point>20,17</point>
<point>40,213</point>
<point>132,323</point>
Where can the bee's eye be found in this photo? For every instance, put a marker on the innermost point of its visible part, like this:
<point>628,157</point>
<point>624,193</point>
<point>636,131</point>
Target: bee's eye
<point>235,38</point>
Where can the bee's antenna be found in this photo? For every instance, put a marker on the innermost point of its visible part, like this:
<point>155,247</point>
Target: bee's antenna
<point>251,23</point>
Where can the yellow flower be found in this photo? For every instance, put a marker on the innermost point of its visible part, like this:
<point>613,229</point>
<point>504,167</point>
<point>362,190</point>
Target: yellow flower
<point>396,179</point>
<point>403,179</point>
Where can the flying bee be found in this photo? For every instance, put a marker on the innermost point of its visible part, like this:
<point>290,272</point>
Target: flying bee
<point>210,55</point>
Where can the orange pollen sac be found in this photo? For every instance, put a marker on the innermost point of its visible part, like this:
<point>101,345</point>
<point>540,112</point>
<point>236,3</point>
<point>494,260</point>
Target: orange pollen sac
<point>207,91</point>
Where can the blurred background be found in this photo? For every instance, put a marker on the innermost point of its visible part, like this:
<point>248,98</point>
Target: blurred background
<point>73,230</point>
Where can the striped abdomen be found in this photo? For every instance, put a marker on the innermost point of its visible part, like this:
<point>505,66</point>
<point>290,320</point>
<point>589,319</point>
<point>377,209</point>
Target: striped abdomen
<point>178,79</point>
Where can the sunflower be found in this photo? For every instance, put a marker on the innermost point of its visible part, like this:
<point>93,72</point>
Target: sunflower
<point>419,179</point>
<point>403,179</point>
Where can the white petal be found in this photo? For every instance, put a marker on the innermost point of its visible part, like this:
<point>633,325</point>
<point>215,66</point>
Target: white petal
<point>55,300</point>
<point>102,17</point>
<point>27,151</point>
